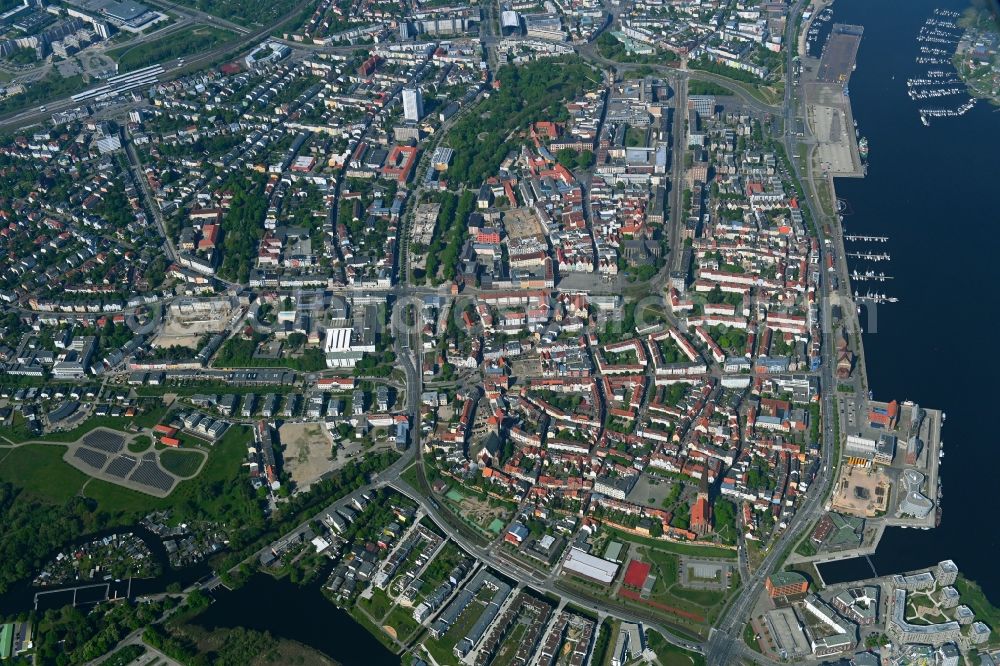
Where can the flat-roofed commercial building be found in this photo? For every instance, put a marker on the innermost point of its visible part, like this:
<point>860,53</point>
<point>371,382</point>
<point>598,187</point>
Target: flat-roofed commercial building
<point>590,567</point>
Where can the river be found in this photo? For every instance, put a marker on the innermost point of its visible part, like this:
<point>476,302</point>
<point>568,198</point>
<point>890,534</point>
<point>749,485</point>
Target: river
<point>301,614</point>
<point>932,191</point>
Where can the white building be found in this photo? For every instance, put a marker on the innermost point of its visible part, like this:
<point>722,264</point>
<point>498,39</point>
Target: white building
<point>338,349</point>
<point>413,104</point>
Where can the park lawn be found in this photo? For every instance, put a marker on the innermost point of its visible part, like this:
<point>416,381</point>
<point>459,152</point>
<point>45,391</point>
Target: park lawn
<point>181,463</point>
<point>669,654</point>
<point>41,471</point>
<point>377,606</point>
<point>139,444</point>
<point>401,619</point>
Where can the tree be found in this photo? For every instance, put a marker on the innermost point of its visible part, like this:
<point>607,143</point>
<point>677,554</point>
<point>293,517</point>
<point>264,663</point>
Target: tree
<point>656,529</point>
<point>156,271</point>
<point>567,157</point>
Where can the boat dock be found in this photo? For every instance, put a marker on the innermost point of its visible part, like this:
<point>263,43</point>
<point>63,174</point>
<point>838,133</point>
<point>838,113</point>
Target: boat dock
<point>79,588</point>
<point>866,239</point>
<point>870,256</point>
<point>869,276</point>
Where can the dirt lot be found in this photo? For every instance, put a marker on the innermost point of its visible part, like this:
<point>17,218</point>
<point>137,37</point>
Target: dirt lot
<point>861,492</point>
<point>307,451</point>
<point>522,223</point>
<point>186,328</point>
<point>527,366</point>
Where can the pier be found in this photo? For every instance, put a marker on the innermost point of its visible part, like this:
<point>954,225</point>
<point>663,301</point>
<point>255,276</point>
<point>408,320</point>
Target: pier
<point>870,256</point>
<point>867,239</point>
<point>869,276</point>
<point>877,299</point>
<point>74,590</point>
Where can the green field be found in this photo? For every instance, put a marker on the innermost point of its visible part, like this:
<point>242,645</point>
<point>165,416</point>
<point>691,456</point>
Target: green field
<point>139,444</point>
<point>972,596</point>
<point>667,565</point>
<point>447,558</point>
<point>373,629</point>
<point>40,469</point>
<point>686,611</point>
<point>705,598</point>
<point>377,606</point>
<point>401,620</point>
<point>181,463</point>
<point>181,43</point>
<point>246,12</point>
<point>441,648</point>
<point>508,647</point>
<point>667,590</point>
<point>411,476</point>
<point>51,87</point>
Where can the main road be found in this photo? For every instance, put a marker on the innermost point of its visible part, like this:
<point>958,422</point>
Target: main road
<point>725,641</point>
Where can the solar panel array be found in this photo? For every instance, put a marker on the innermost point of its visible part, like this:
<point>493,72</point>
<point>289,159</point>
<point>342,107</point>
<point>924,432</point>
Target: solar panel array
<point>104,440</point>
<point>93,458</point>
<point>150,474</point>
<point>121,466</point>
